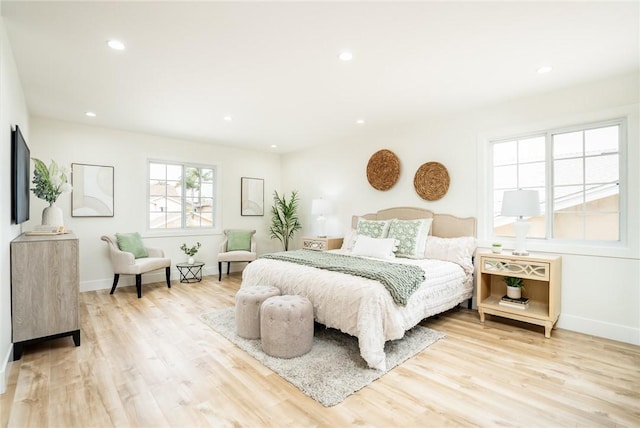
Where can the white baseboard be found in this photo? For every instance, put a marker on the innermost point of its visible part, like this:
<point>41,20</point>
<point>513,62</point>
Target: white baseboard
<point>621,333</point>
<point>147,278</point>
<point>4,373</point>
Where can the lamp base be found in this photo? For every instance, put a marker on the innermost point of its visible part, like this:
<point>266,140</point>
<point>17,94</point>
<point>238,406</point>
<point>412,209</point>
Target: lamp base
<point>520,227</point>
<point>321,227</point>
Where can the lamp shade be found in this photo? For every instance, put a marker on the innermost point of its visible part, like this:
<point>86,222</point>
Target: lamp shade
<point>320,207</point>
<point>520,203</point>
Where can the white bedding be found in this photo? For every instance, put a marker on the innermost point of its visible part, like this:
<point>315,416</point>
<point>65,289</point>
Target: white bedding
<point>362,307</point>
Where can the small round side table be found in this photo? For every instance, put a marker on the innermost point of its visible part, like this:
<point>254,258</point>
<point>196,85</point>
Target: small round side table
<point>190,272</point>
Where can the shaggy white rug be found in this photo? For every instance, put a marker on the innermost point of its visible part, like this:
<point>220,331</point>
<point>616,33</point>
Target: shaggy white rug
<point>333,369</point>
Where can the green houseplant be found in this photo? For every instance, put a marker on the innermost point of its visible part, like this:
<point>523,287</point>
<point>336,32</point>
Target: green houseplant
<point>284,218</point>
<point>49,183</point>
<point>514,286</point>
<point>190,251</point>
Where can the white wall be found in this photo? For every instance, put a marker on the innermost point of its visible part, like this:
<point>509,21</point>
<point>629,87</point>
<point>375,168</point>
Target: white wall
<point>600,293</point>
<point>128,153</point>
<point>13,111</point>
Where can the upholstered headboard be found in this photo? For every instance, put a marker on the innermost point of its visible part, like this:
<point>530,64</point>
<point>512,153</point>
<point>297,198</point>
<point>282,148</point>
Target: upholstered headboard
<point>444,225</point>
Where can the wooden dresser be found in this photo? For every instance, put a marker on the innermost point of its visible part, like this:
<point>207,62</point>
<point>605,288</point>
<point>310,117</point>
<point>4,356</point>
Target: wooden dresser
<point>44,289</point>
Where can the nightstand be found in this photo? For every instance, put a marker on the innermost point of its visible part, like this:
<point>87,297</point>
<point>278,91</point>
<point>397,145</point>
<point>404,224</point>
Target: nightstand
<point>542,280</point>
<point>316,243</point>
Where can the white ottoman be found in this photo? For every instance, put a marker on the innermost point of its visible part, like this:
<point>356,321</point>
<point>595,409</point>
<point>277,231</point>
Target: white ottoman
<point>248,302</point>
<point>286,326</point>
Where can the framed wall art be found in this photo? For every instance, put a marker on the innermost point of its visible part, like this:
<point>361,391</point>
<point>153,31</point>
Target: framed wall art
<point>92,193</point>
<point>251,196</point>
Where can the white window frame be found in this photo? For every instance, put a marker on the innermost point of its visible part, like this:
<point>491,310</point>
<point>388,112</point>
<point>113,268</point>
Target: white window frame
<point>623,189</point>
<point>626,247</point>
<point>187,231</point>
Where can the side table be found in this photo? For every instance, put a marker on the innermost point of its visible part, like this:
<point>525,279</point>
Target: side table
<point>542,275</point>
<point>190,272</point>
<point>316,243</point>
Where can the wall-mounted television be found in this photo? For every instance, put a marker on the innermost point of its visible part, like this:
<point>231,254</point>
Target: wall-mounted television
<point>20,173</point>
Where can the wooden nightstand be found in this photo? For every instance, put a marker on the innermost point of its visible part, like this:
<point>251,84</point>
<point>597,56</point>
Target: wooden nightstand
<point>320,244</point>
<point>542,281</point>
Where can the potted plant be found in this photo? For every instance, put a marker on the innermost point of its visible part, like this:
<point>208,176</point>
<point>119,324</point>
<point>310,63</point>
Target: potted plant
<point>190,251</point>
<point>284,218</point>
<point>514,286</point>
<point>496,247</point>
<point>49,183</point>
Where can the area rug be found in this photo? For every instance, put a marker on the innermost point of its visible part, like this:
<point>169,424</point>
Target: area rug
<point>333,369</point>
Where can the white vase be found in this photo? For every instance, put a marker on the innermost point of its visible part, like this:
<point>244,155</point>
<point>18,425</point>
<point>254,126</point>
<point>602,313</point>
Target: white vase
<point>190,260</point>
<point>514,292</point>
<point>52,216</point>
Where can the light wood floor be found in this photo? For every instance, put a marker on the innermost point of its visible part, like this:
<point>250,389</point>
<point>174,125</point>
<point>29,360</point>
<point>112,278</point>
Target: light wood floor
<point>151,362</point>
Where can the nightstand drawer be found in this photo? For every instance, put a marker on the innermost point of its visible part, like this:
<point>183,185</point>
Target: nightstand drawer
<point>518,268</point>
<point>320,244</point>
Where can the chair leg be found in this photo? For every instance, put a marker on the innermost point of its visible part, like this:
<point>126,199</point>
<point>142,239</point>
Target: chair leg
<point>219,271</point>
<point>228,267</point>
<point>139,285</point>
<point>168,275</point>
<point>115,282</point>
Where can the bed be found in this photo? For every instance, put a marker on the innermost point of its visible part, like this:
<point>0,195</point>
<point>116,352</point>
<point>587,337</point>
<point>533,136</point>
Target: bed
<point>363,307</point>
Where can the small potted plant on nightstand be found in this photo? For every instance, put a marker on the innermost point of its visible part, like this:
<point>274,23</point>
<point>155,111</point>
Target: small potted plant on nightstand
<point>190,251</point>
<point>496,247</point>
<point>514,286</point>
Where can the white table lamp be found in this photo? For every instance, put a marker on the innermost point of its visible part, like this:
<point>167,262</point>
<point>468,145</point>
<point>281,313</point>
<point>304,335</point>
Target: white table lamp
<point>321,207</point>
<point>520,203</point>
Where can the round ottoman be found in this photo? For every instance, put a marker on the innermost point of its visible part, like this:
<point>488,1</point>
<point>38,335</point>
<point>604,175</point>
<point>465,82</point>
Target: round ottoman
<point>248,302</point>
<point>286,325</point>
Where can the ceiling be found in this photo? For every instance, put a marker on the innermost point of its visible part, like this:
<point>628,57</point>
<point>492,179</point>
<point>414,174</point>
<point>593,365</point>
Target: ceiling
<point>273,67</point>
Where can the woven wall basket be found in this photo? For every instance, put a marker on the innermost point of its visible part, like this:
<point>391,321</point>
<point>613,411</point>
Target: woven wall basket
<point>383,169</point>
<point>431,181</point>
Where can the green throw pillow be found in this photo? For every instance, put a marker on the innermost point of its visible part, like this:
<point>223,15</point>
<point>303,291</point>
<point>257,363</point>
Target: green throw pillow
<point>373,228</point>
<point>412,235</point>
<point>132,243</point>
<point>239,240</point>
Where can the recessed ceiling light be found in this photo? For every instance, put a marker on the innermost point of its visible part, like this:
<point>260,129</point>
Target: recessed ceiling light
<point>544,70</point>
<point>116,45</point>
<point>274,146</point>
<point>90,114</point>
<point>345,56</point>
<point>360,121</point>
<point>227,118</point>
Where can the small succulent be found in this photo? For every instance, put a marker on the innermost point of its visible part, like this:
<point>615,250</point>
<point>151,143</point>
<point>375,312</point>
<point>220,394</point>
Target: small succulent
<point>512,281</point>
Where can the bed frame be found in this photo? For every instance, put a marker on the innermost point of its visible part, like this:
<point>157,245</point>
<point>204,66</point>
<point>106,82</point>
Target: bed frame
<point>443,226</point>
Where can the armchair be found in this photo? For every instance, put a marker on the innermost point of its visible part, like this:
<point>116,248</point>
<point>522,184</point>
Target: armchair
<point>239,245</point>
<point>124,263</point>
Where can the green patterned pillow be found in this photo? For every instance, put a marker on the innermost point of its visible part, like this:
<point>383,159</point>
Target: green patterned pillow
<point>239,240</point>
<point>373,228</point>
<point>132,243</point>
<point>411,235</point>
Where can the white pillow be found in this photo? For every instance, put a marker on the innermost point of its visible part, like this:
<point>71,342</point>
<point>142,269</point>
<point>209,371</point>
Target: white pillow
<point>411,235</point>
<point>457,250</point>
<point>380,248</point>
<point>349,240</point>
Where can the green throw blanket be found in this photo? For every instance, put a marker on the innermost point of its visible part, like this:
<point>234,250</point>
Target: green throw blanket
<point>401,280</point>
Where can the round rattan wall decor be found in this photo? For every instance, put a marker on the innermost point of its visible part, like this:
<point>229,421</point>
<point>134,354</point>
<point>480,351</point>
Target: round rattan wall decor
<point>431,181</point>
<point>383,169</point>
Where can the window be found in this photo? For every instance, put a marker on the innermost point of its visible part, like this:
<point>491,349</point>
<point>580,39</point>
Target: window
<point>182,196</point>
<point>577,175</point>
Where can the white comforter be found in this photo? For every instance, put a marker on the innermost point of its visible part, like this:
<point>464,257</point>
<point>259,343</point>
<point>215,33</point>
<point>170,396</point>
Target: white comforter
<point>362,307</point>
